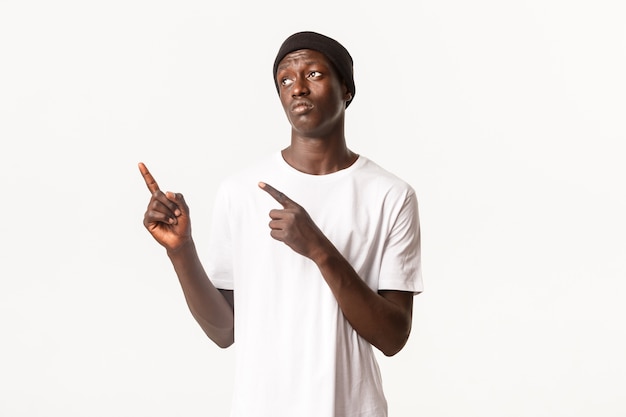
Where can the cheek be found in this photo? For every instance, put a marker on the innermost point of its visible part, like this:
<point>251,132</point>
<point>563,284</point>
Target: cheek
<point>335,102</point>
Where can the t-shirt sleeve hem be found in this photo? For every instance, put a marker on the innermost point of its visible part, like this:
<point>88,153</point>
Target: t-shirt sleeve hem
<point>415,288</point>
<point>222,284</point>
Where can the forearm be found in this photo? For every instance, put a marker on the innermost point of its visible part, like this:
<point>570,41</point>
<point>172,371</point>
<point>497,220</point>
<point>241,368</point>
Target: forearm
<point>382,322</point>
<point>211,310</point>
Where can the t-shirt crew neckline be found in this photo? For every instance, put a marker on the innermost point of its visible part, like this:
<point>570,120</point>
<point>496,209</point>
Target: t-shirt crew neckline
<point>323,177</point>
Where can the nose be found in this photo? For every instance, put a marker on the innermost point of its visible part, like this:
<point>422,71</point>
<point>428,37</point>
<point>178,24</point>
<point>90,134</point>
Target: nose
<point>300,87</point>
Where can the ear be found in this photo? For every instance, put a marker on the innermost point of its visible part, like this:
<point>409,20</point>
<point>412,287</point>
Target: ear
<point>347,95</point>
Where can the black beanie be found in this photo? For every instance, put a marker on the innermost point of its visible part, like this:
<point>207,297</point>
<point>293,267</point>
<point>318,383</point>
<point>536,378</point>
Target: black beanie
<point>333,50</point>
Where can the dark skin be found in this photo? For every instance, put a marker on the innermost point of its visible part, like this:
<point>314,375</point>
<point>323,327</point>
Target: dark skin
<point>167,219</point>
<point>314,99</point>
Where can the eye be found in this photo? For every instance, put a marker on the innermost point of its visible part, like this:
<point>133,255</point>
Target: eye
<point>315,74</point>
<point>286,81</point>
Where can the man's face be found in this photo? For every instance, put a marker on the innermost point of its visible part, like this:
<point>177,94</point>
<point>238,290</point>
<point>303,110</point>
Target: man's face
<point>312,95</point>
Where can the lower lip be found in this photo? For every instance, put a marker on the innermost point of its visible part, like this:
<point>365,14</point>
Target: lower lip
<point>301,109</point>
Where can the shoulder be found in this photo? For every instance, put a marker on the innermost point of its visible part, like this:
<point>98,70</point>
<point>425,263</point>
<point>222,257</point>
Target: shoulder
<point>376,176</point>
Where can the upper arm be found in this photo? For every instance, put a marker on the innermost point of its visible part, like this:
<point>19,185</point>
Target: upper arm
<point>229,295</point>
<point>402,313</point>
<point>402,299</point>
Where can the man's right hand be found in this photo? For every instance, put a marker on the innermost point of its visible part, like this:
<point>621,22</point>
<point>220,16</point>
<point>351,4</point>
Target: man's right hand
<point>167,215</point>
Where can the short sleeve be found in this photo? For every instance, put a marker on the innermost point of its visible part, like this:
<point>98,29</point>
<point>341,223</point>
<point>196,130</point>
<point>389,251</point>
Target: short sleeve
<point>219,264</point>
<point>401,267</point>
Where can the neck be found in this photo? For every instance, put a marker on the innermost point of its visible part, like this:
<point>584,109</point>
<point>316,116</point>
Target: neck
<point>318,157</point>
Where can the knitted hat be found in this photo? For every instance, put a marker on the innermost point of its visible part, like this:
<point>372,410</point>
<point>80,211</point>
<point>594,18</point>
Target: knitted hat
<point>333,50</point>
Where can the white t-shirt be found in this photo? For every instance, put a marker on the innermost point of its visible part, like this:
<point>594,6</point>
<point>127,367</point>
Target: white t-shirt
<point>296,354</point>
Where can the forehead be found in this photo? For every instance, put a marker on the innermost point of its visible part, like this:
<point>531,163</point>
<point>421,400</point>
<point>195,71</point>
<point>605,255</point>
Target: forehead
<point>304,56</point>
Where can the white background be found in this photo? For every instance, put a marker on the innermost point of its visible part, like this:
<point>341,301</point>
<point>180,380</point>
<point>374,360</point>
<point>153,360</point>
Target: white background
<point>506,117</point>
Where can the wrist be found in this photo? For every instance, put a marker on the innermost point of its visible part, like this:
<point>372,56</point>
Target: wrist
<point>181,249</point>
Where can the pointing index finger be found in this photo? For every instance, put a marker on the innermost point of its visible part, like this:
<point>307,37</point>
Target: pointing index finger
<point>277,195</point>
<point>148,178</point>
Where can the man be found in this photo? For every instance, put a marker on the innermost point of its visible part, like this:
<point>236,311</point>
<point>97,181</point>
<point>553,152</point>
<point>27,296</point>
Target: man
<point>334,274</point>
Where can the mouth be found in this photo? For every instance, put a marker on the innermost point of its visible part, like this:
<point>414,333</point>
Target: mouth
<point>301,107</point>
